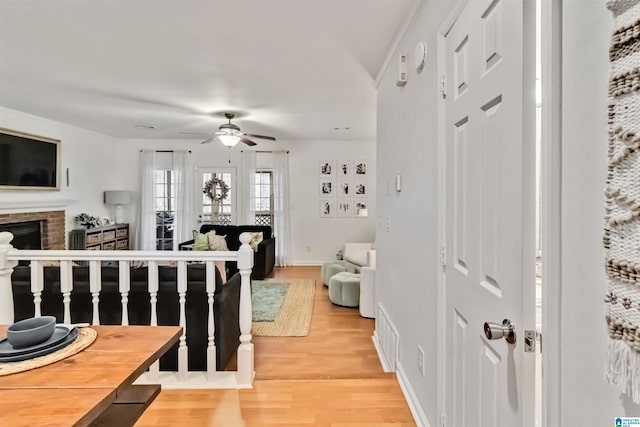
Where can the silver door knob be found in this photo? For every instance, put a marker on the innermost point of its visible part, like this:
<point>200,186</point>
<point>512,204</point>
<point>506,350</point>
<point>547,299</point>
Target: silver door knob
<point>494,331</point>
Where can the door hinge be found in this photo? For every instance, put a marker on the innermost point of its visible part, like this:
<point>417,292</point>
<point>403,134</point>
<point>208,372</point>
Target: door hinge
<point>530,338</point>
<point>443,418</point>
<point>443,256</point>
<point>443,86</point>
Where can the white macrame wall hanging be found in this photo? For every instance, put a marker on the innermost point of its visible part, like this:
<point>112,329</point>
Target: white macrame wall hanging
<point>622,212</point>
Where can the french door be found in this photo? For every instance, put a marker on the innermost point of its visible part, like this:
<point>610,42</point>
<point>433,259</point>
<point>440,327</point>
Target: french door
<point>217,212</point>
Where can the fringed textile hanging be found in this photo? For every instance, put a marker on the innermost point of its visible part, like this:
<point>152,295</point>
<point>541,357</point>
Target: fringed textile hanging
<point>622,212</point>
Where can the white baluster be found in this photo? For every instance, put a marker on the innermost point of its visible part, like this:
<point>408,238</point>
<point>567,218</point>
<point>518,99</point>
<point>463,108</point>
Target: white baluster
<point>95,284</point>
<point>37,285</point>
<point>124,285</point>
<point>182,347</point>
<point>211,346</point>
<point>245,350</point>
<point>6,269</point>
<point>66,285</point>
<point>154,369</point>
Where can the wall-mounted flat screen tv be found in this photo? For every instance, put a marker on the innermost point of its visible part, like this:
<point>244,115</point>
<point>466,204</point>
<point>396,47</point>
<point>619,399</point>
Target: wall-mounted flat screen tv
<point>28,161</point>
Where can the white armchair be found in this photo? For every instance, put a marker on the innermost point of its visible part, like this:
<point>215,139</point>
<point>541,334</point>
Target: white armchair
<point>364,256</point>
<point>356,253</point>
<point>368,286</point>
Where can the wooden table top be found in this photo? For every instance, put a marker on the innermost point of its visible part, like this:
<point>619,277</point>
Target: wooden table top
<point>80,387</point>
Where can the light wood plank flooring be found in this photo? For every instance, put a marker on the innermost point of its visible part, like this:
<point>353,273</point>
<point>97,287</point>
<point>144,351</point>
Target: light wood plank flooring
<point>330,378</point>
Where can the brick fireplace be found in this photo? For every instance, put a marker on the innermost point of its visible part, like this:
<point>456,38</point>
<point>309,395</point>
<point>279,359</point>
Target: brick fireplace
<point>52,226</point>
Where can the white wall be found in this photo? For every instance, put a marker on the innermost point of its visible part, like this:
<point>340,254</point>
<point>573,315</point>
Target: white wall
<point>314,239</point>
<point>407,254</point>
<point>97,163</point>
<point>89,156</point>
<point>585,398</point>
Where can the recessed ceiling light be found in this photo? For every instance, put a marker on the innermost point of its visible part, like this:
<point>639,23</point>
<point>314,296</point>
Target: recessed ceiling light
<point>347,128</point>
<point>336,128</point>
<point>144,126</point>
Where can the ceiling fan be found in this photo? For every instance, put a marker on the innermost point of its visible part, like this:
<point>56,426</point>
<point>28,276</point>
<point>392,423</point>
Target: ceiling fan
<point>229,134</point>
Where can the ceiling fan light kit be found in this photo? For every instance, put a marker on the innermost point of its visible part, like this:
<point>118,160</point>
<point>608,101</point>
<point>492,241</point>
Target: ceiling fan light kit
<point>230,134</point>
<point>229,140</point>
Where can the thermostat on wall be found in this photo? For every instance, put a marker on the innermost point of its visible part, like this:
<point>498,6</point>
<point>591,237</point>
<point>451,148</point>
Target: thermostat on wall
<point>420,55</point>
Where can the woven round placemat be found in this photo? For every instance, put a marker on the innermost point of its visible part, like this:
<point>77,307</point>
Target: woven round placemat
<point>86,336</point>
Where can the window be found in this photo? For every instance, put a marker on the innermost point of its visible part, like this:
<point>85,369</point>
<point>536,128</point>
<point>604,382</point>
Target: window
<point>165,205</point>
<point>264,197</point>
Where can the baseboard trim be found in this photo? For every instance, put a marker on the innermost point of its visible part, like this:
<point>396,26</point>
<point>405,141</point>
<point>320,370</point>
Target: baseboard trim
<point>307,263</point>
<point>414,404</point>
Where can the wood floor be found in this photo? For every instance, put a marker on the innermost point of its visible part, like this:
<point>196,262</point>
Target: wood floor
<point>330,378</point>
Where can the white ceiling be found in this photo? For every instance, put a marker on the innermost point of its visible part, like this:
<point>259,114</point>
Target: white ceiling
<point>294,69</point>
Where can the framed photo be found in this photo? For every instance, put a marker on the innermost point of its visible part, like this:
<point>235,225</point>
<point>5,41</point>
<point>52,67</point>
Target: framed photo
<point>344,208</point>
<point>360,168</point>
<point>326,188</point>
<point>361,210</point>
<point>327,168</point>
<point>344,188</point>
<point>360,189</point>
<point>344,168</point>
<point>105,221</point>
<point>327,208</point>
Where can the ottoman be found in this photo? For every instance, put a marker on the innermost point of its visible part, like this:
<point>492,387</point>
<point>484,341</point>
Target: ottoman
<point>333,267</point>
<point>344,289</point>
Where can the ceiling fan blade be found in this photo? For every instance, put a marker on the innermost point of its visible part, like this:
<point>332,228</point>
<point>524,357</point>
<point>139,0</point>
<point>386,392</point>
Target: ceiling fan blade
<point>253,135</point>
<point>247,141</point>
<point>206,141</point>
<point>193,132</point>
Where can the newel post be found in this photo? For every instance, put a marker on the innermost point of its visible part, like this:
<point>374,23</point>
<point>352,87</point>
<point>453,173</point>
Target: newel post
<point>6,268</point>
<point>245,351</point>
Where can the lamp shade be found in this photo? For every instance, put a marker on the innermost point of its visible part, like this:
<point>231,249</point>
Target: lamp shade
<point>117,198</point>
<point>229,140</point>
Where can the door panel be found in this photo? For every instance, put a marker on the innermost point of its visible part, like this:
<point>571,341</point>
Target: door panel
<point>485,189</point>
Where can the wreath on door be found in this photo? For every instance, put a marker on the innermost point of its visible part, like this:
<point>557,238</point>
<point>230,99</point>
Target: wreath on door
<point>211,189</point>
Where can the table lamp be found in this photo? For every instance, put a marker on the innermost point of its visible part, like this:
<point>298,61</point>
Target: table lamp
<point>117,199</point>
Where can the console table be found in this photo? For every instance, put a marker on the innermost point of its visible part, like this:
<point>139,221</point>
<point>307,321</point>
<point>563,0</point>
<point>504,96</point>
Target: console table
<point>93,387</point>
<point>106,238</point>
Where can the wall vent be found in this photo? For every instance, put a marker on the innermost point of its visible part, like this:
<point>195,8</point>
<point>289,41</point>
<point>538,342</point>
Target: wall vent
<point>387,337</point>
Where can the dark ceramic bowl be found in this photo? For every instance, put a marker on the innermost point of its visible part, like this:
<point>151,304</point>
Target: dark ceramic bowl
<point>32,331</point>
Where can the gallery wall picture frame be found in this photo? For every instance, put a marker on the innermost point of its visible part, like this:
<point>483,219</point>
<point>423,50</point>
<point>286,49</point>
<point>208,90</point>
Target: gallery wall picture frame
<point>361,209</point>
<point>344,208</point>
<point>360,168</point>
<point>327,188</point>
<point>344,188</point>
<point>327,208</point>
<point>326,168</point>
<point>360,189</point>
<point>344,168</point>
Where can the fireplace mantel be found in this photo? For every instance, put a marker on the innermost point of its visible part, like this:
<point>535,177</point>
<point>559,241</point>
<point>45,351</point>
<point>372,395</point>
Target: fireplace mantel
<point>34,204</point>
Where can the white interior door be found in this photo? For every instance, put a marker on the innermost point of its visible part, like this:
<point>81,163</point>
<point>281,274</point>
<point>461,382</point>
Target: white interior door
<point>224,211</point>
<point>489,218</point>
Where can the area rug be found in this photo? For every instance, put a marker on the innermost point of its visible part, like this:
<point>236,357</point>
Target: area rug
<point>622,210</point>
<point>294,317</point>
<point>266,299</point>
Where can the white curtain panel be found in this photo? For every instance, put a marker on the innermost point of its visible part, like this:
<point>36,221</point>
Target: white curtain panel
<point>281,211</point>
<point>184,214</point>
<point>146,230</point>
<point>247,215</point>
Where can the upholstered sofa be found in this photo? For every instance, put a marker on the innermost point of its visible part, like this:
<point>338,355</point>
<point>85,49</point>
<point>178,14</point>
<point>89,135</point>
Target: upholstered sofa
<point>264,257</point>
<point>226,306</point>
